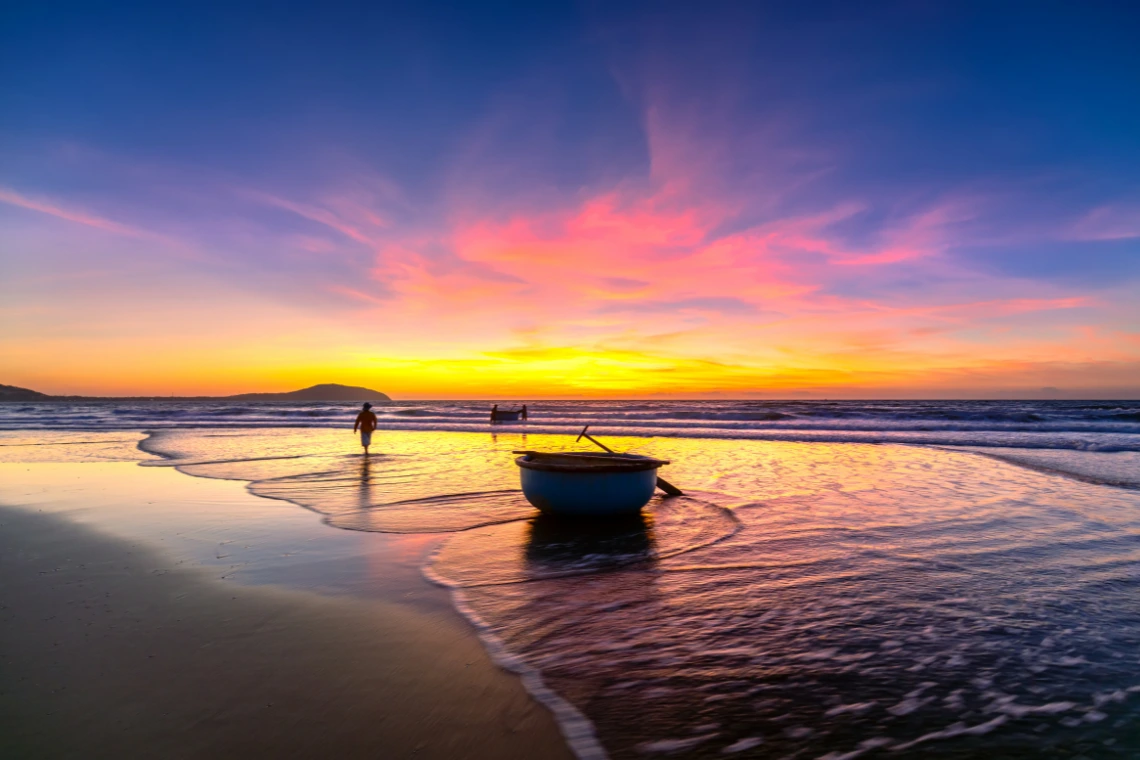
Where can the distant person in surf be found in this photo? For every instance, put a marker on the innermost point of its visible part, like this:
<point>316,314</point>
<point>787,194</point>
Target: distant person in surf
<point>524,411</point>
<point>366,423</point>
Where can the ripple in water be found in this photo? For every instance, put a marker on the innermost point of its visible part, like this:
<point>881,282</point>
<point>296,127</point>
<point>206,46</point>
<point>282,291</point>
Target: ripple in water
<point>545,546</point>
<point>815,600</point>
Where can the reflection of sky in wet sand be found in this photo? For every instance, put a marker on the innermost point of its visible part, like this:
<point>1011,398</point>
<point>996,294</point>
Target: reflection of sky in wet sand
<point>364,500</point>
<point>218,525</point>
<point>803,599</point>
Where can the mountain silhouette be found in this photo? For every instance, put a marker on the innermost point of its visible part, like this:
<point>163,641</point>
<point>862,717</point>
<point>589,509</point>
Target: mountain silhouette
<point>322,392</point>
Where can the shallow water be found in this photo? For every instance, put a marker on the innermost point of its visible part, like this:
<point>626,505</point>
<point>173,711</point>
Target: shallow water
<point>803,600</point>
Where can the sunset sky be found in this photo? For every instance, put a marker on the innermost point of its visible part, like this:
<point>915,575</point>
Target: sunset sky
<point>534,200</point>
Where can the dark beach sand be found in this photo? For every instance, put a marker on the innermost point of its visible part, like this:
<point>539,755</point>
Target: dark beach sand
<point>850,601</point>
<point>111,649</point>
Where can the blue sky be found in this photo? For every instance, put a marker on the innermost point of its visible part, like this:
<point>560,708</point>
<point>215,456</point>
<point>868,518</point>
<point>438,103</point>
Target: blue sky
<point>870,160</point>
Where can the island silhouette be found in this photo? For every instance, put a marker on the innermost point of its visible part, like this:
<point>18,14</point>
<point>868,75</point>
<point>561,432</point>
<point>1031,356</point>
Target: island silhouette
<point>321,392</point>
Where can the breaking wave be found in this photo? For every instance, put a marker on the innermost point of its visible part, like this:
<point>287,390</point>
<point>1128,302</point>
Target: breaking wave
<point>1073,425</point>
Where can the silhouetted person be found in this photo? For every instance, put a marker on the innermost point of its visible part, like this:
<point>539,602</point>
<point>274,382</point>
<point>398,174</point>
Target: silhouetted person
<point>366,422</point>
<point>494,409</point>
<point>524,411</point>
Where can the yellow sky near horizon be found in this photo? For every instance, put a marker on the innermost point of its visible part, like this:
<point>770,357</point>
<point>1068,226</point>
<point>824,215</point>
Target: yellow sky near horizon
<point>632,292</point>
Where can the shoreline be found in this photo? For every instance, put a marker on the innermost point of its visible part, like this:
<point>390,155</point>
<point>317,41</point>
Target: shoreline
<point>1104,467</point>
<point>126,647</point>
<point>812,522</point>
<point>1071,441</point>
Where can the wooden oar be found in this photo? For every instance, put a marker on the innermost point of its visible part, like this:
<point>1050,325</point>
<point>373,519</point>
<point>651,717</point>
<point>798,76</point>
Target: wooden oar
<point>663,484</point>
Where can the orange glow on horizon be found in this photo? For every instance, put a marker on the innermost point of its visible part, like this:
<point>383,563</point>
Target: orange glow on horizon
<point>651,287</point>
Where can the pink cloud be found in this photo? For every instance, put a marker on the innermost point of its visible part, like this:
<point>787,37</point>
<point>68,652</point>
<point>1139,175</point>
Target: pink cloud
<point>646,250</point>
<point>683,260</point>
<point>355,294</point>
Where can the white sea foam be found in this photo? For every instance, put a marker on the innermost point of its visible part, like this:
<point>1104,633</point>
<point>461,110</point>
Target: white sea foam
<point>857,707</point>
<point>958,729</point>
<point>1009,707</point>
<point>1079,426</point>
<point>576,728</point>
<point>743,745</point>
<point>671,746</point>
<point>864,747</point>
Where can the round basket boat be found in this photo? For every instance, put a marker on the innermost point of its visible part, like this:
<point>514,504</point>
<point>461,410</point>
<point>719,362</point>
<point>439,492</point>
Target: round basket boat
<point>588,485</point>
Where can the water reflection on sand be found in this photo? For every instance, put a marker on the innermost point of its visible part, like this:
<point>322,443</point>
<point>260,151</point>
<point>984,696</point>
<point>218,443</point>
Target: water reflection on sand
<point>803,600</point>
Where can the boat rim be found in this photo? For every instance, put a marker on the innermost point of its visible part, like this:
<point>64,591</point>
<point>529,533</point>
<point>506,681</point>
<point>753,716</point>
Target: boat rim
<point>588,463</point>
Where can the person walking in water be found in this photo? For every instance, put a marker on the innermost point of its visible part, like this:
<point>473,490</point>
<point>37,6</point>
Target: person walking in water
<point>366,423</point>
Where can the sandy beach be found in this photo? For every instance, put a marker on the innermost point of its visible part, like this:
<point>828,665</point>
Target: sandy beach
<point>236,592</point>
<point>116,647</point>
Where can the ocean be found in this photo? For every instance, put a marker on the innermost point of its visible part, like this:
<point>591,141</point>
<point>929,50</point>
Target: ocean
<point>842,579</point>
<point>1078,425</point>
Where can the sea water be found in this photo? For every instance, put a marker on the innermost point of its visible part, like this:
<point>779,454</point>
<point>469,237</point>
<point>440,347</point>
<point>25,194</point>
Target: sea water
<point>1082,425</point>
<point>804,599</point>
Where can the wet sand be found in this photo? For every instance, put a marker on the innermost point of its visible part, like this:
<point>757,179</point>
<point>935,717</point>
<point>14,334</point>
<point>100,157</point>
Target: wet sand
<point>805,599</point>
<point>112,649</point>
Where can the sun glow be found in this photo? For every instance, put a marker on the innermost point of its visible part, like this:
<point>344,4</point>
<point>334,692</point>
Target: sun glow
<point>722,246</point>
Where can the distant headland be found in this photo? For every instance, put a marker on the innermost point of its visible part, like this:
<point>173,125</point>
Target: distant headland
<point>322,392</point>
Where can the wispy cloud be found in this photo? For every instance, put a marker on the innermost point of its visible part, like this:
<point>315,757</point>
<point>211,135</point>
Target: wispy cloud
<point>321,215</point>
<point>1108,223</point>
<point>725,264</point>
<point>76,216</point>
